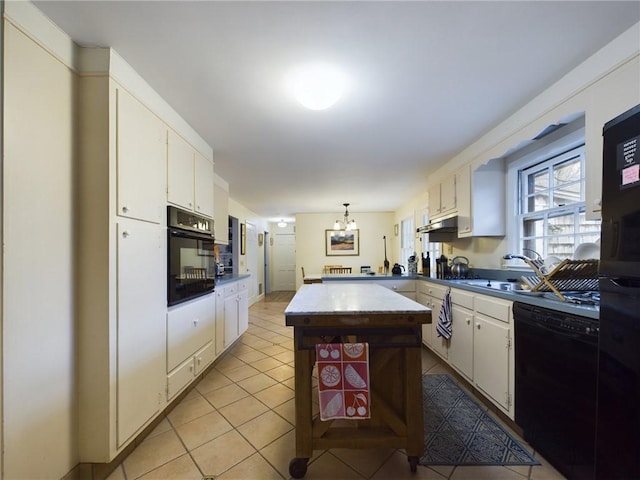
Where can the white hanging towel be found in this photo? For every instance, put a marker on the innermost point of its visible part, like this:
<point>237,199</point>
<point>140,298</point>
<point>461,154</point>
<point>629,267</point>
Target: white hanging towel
<point>444,327</point>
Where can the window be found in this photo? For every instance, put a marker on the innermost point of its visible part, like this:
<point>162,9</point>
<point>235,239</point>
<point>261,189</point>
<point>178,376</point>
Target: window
<point>407,240</point>
<point>434,248</point>
<point>551,216</point>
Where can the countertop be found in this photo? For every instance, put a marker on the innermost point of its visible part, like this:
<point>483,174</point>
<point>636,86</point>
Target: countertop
<point>350,299</point>
<point>220,281</point>
<point>549,300</point>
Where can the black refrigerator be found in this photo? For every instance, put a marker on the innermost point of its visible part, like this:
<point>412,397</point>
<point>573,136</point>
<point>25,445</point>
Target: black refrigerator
<point>618,402</point>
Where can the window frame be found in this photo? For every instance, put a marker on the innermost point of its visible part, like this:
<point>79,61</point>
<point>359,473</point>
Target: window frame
<point>536,152</point>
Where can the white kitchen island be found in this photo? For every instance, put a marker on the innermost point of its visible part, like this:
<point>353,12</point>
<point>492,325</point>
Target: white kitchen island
<point>392,326</point>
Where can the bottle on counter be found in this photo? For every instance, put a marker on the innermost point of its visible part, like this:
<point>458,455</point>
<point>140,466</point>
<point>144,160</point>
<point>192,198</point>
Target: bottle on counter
<point>426,265</point>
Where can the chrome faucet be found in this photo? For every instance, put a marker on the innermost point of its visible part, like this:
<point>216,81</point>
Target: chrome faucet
<point>510,256</point>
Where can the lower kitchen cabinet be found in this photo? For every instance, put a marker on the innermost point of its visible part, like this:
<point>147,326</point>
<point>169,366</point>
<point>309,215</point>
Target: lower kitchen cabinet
<point>461,343</point>
<point>481,347</point>
<point>431,295</point>
<point>193,366</point>
<point>190,341</point>
<point>232,313</point>
<point>493,358</point>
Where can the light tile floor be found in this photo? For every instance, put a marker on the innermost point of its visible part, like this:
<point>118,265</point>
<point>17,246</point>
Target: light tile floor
<point>238,423</point>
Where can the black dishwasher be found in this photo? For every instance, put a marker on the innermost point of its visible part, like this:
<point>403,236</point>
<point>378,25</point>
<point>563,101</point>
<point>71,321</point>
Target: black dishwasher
<point>556,357</point>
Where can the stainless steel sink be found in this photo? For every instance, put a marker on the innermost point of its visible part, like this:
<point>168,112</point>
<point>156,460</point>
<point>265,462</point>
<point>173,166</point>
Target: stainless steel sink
<point>494,285</point>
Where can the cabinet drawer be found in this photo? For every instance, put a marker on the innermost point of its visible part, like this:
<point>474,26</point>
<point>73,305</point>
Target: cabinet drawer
<point>179,378</point>
<point>399,285</point>
<point>494,307</point>
<point>189,327</point>
<point>204,357</point>
<point>432,289</point>
<point>231,289</point>
<point>242,285</point>
<point>462,298</point>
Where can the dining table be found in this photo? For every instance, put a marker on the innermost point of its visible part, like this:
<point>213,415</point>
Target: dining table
<point>391,327</point>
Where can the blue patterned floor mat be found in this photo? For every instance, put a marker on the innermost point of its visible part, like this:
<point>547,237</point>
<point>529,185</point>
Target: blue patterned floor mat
<point>458,431</point>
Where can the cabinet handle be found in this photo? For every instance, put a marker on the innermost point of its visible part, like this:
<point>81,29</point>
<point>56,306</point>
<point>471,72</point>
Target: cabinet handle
<point>196,322</point>
<point>394,288</point>
<point>125,234</point>
<point>199,360</point>
<point>125,209</point>
<point>468,321</point>
<point>478,326</point>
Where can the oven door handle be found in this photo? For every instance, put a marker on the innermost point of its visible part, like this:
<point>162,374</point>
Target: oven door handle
<point>184,234</point>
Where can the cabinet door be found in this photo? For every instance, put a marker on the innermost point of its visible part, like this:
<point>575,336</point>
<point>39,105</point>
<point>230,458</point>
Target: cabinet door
<point>141,324</point>
<point>140,165</point>
<point>463,201</point>
<point>439,344</point>
<point>425,300</point>
<point>448,194</point>
<point>230,319</point>
<point>433,195</point>
<point>189,327</point>
<point>243,311</point>
<point>461,343</point>
<point>203,186</point>
<point>220,338</point>
<point>221,214</point>
<point>180,171</point>
<point>203,358</point>
<point>491,366</point>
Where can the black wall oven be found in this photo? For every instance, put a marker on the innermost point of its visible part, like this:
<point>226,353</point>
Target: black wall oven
<point>190,256</point>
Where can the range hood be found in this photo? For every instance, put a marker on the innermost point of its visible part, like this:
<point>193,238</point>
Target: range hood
<point>441,229</point>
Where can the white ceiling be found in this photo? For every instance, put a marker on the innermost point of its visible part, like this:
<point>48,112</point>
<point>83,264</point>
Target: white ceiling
<point>428,77</point>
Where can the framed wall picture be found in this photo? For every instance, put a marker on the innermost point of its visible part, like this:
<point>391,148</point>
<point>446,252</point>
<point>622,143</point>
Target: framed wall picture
<point>243,239</point>
<point>342,242</point>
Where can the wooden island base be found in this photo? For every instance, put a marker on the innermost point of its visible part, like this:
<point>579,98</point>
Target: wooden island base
<point>392,326</point>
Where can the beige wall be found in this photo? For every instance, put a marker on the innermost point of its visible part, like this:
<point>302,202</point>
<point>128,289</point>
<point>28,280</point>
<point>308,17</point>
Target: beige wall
<point>310,241</point>
<point>38,317</point>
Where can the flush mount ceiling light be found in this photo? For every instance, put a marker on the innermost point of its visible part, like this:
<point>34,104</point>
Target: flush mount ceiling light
<point>282,223</point>
<point>345,224</point>
<point>317,86</point>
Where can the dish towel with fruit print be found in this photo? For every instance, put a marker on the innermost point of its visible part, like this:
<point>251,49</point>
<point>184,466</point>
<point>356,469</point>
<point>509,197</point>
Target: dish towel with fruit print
<point>444,327</point>
<point>343,380</point>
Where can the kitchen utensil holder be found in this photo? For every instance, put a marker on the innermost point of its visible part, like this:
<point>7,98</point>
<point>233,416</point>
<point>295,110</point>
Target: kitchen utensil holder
<point>568,275</point>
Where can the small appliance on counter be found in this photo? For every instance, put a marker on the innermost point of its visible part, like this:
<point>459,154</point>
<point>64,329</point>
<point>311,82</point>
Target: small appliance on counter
<point>426,265</point>
<point>412,265</point>
<point>442,269</point>
<point>397,269</point>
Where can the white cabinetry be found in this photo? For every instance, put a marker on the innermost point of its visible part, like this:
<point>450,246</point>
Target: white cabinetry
<point>442,198</point>
<point>221,214</point>
<point>461,343</point>
<point>404,286</point>
<point>232,313</point>
<point>481,200</point>
<point>430,295</point>
<point>140,159</point>
<point>190,341</point>
<point>189,176</point>
<point>141,297</point>
<point>481,346</point>
<point>493,358</point>
<point>121,263</point>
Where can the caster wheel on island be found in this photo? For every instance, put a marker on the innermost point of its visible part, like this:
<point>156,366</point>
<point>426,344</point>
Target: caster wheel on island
<point>413,464</point>
<point>298,467</point>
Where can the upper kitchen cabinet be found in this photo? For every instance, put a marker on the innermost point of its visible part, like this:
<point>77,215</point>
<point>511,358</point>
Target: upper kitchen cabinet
<point>481,200</point>
<point>140,157</point>
<point>609,97</point>
<point>442,198</point>
<point>204,198</point>
<point>189,176</point>
<point>221,217</point>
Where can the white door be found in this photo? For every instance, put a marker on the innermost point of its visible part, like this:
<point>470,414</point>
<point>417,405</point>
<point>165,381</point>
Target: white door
<point>284,262</point>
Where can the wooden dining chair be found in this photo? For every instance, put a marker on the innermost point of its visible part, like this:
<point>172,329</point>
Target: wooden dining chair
<point>340,270</point>
<point>327,268</point>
